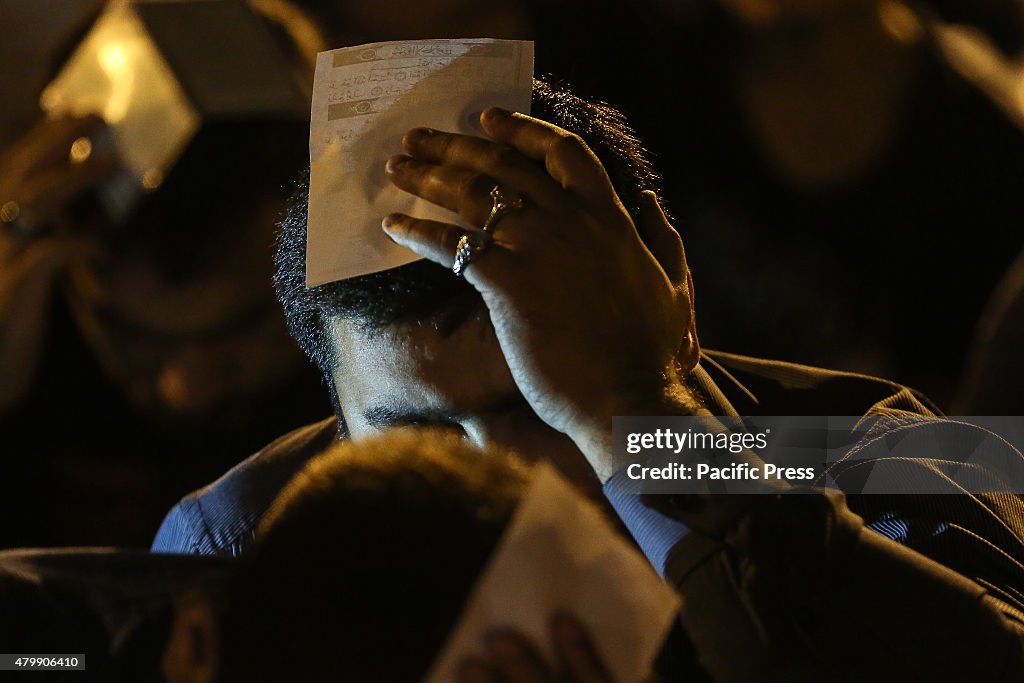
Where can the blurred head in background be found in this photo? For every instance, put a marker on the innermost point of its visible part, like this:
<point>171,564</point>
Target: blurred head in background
<point>143,352</point>
<point>173,295</point>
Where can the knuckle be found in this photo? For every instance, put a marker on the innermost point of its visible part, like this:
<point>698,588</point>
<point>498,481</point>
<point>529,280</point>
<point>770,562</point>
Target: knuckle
<point>470,189</point>
<point>442,145</point>
<point>419,228</point>
<point>576,215</point>
<point>567,145</point>
<point>506,157</point>
<point>564,156</point>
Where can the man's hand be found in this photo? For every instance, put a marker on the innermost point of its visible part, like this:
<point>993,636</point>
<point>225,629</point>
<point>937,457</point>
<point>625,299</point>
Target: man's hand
<point>49,168</point>
<point>593,312</point>
<point>511,658</point>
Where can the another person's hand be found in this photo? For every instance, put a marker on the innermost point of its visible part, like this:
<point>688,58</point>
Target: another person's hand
<point>48,169</point>
<point>511,658</point>
<point>593,312</point>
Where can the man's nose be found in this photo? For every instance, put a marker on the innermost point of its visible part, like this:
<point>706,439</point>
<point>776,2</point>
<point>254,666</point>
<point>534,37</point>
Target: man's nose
<point>532,439</point>
<point>521,434</point>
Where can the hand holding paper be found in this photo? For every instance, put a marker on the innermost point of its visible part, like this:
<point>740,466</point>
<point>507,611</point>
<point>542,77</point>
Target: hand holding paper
<point>559,555</point>
<point>364,100</point>
<point>514,659</point>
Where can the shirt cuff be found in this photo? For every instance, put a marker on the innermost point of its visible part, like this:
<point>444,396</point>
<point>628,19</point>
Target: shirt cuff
<point>655,533</point>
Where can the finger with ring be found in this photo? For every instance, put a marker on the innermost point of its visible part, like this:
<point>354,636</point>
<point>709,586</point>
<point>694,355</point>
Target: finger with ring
<point>443,243</point>
<point>469,248</point>
<point>501,206</point>
<point>460,190</point>
<point>506,165</point>
<point>567,158</point>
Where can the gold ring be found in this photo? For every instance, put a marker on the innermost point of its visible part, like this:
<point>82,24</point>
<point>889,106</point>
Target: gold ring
<point>500,206</point>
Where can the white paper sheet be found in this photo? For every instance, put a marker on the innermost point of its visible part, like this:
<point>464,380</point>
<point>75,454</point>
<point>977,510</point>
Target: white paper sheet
<point>560,554</point>
<point>365,98</point>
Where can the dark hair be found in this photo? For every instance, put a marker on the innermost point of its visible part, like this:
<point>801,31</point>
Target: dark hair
<point>364,561</point>
<point>423,290</point>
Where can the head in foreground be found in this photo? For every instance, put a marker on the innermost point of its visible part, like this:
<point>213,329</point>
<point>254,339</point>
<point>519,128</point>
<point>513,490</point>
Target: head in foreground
<point>416,515</point>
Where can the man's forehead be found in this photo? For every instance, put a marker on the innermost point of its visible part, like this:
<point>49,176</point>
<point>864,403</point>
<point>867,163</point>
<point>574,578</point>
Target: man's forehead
<point>409,367</point>
<point>409,346</point>
<point>356,344</point>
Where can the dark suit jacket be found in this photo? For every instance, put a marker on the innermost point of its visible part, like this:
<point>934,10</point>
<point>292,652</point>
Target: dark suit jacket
<point>799,587</point>
<point>220,518</point>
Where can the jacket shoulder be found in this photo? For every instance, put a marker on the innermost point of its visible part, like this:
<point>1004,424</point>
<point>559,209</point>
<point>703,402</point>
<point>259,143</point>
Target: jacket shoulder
<point>220,518</point>
<point>770,387</point>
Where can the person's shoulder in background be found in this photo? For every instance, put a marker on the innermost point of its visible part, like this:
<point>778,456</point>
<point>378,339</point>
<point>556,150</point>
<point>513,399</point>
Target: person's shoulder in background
<point>109,606</point>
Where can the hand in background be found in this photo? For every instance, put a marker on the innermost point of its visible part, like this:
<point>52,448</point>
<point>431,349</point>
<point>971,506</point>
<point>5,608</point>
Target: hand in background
<point>48,169</point>
<point>511,658</point>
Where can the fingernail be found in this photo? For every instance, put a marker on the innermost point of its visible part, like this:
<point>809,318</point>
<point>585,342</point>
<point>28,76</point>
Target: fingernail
<point>391,220</point>
<point>417,135</point>
<point>395,164</point>
<point>495,113</point>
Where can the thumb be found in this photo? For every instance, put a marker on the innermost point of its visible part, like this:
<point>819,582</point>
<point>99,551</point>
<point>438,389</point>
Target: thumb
<point>661,238</point>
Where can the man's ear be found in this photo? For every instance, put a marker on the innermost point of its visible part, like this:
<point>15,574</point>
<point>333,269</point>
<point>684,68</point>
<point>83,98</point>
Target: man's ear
<point>192,653</point>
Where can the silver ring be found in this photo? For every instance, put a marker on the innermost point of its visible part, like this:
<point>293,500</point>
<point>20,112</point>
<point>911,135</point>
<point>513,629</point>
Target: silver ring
<point>470,246</point>
<point>500,206</point>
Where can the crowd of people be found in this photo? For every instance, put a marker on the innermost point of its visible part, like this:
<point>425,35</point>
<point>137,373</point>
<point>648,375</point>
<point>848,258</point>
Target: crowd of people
<point>846,195</point>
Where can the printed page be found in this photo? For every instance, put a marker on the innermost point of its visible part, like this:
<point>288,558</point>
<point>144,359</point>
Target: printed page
<point>560,554</point>
<point>364,100</point>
